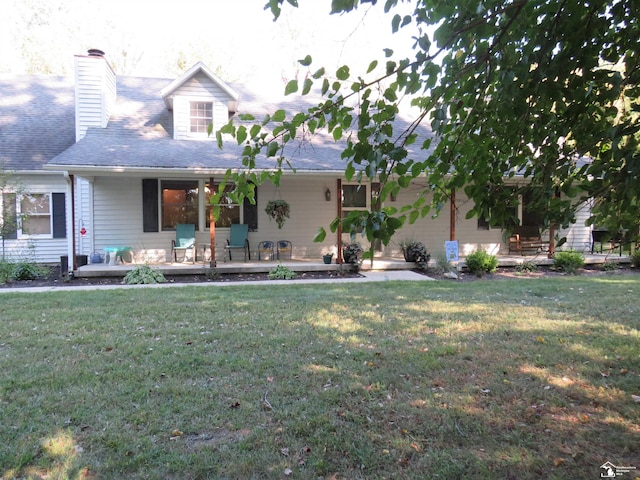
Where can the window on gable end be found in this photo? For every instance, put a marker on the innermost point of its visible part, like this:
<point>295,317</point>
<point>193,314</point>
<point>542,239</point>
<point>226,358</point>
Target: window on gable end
<point>200,117</point>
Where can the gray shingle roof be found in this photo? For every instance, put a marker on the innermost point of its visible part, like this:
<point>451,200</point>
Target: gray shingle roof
<point>36,120</point>
<point>139,134</point>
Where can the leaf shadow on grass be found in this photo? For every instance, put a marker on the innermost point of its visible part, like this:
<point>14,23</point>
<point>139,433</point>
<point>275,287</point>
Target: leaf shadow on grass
<point>523,380</point>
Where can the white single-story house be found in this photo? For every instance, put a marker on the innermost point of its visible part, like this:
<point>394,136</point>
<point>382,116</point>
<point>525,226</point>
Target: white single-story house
<point>120,161</point>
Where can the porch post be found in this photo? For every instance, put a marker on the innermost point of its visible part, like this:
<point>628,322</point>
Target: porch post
<point>73,261</point>
<point>552,244</point>
<point>212,231</point>
<point>452,215</point>
<point>339,230</point>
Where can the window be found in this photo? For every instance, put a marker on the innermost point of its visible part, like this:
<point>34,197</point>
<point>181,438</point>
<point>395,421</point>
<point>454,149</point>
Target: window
<point>36,214</point>
<point>166,203</point>
<point>39,215</point>
<point>354,198</point>
<point>179,203</point>
<point>519,208</point>
<point>201,116</point>
<point>229,212</point>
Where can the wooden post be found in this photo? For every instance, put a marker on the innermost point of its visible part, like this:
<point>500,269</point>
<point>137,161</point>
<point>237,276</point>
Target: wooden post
<point>452,215</point>
<point>212,230</point>
<point>339,230</point>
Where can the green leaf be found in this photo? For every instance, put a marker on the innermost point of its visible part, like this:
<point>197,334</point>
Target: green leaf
<point>306,61</point>
<point>318,73</point>
<point>308,83</point>
<point>320,235</point>
<point>291,87</point>
<point>241,134</point>
<point>337,133</point>
<point>349,171</point>
<point>343,73</point>
<point>372,66</point>
<point>279,116</point>
<point>272,149</point>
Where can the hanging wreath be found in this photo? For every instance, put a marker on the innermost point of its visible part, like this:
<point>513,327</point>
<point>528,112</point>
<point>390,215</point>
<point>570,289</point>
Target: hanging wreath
<point>278,210</point>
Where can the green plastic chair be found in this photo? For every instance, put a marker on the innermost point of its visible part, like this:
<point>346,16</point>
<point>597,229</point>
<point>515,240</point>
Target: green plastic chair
<point>185,240</point>
<point>238,239</point>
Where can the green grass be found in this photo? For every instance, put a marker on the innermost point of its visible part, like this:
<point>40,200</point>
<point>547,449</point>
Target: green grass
<point>527,379</point>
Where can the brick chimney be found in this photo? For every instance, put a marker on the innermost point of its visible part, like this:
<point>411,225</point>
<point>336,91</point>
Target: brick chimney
<point>95,91</point>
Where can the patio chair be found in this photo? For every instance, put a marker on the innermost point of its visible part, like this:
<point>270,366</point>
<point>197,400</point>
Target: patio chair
<point>238,239</point>
<point>266,249</point>
<point>185,240</point>
<point>285,249</point>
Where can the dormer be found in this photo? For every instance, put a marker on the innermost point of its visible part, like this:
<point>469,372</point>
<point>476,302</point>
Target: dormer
<point>199,98</point>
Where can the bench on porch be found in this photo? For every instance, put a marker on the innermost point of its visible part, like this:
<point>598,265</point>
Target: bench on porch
<point>527,239</point>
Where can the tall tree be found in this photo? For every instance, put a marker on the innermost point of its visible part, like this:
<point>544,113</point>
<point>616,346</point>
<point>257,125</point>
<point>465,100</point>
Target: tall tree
<point>537,96</point>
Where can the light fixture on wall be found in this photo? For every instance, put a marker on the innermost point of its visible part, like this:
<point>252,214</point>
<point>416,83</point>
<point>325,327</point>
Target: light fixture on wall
<point>327,195</point>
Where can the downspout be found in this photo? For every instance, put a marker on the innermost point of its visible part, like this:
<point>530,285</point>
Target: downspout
<point>339,229</point>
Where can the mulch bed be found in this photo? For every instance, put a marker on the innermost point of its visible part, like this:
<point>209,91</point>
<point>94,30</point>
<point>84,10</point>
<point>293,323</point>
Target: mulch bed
<point>54,279</point>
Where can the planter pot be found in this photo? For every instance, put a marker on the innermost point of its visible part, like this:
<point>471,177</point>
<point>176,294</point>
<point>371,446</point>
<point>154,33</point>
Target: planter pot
<point>327,259</point>
<point>409,257</point>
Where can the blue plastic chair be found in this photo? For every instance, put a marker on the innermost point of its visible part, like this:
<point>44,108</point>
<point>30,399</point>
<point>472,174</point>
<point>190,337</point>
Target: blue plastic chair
<point>185,240</point>
<point>238,239</point>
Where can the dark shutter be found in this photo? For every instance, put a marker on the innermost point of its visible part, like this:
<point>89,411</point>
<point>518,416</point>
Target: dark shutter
<point>59,211</point>
<point>10,219</point>
<point>150,205</point>
<point>250,212</point>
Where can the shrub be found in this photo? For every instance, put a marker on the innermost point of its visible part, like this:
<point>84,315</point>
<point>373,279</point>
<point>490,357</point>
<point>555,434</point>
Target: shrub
<point>6,269</point>
<point>24,270</point>
<point>526,267</point>
<point>568,261</point>
<point>416,252</point>
<point>143,274</point>
<point>609,266</point>
<point>352,253</point>
<point>481,262</point>
<point>282,273</point>
<point>443,265</point>
<point>635,259</point>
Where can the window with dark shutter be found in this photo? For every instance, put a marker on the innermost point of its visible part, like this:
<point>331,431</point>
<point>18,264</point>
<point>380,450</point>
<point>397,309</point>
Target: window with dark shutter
<point>150,205</point>
<point>59,211</point>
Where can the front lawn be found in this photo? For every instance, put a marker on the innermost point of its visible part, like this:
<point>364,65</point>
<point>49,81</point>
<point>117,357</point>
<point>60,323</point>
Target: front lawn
<point>526,379</point>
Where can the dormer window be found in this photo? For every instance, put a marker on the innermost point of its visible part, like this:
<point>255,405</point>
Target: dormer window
<point>201,116</point>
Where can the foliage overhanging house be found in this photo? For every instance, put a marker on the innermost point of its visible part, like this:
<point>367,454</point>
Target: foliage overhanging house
<point>109,160</point>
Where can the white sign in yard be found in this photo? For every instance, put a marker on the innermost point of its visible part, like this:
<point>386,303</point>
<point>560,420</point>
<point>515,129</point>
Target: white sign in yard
<point>451,250</point>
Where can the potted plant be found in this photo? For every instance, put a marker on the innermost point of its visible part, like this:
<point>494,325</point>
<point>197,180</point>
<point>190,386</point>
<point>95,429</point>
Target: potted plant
<point>352,253</point>
<point>327,257</point>
<point>414,251</point>
<point>278,210</point>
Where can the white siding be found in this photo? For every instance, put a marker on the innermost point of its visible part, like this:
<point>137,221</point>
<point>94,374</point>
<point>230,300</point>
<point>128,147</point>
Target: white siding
<point>579,234</point>
<point>95,93</point>
<point>199,89</point>
<point>118,221</point>
<point>41,250</point>
<point>84,216</point>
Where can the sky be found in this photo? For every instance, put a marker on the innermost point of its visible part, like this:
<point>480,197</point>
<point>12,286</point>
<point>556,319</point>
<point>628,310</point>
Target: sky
<point>236,38</point>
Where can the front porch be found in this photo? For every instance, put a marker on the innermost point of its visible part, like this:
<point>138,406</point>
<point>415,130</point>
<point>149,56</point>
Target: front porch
<point>121,269</point>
